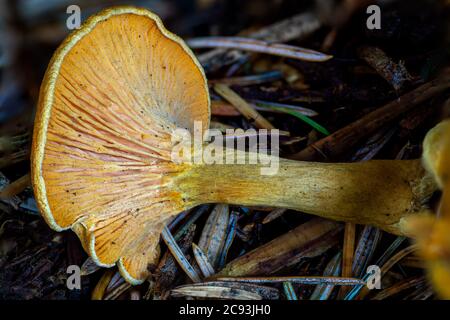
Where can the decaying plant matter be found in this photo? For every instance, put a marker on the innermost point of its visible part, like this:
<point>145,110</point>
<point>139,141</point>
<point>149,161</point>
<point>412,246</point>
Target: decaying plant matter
<point>101,165</point>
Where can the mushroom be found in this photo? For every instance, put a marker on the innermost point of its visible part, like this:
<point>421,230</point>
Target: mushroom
<point>114,93</point>
<point>431,232</point>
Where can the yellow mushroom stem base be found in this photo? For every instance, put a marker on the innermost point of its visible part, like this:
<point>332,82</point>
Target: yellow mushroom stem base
<point>378,193</point>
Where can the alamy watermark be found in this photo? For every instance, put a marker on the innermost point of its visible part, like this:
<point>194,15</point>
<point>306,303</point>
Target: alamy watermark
<point>374,20</point>
<point>73,281</point>
<point>73,21</point>
<point>373,277</point>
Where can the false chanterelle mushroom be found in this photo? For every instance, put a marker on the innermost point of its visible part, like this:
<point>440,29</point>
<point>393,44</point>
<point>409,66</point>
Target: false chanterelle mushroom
<point>101,165</point>
<point>112,93</point>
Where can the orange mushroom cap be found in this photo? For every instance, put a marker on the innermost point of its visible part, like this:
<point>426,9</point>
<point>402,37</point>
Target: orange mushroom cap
<point>101,150</point>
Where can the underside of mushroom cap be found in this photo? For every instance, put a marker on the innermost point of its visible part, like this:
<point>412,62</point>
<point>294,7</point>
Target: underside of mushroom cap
<point>112,94</point>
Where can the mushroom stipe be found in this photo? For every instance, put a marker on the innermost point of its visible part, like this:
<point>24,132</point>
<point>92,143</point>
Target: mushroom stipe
<point>101,158</point>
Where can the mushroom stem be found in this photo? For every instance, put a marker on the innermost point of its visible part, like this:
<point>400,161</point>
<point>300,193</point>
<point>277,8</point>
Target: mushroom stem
<point>378,193</point>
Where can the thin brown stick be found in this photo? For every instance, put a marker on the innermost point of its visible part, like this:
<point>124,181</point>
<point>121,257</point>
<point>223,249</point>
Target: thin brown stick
<point>274,214</point>
<point>394,73</point>
<point>16,187</point>
<point>337,281</point>
<point>347,137</point>
<point>243,107</point>
<point>349,249</point>
<point>179,255</point>
<point>307,240</point>
<point>389,264</point>
<point>296,27</point>
<point>348,253</point>
<point>102,284</point>
<point>202,261</point>
<point>259,46</point>
<point>403,285</point>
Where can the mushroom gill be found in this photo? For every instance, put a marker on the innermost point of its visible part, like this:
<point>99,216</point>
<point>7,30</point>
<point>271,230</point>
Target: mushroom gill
<point>112,93</point>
